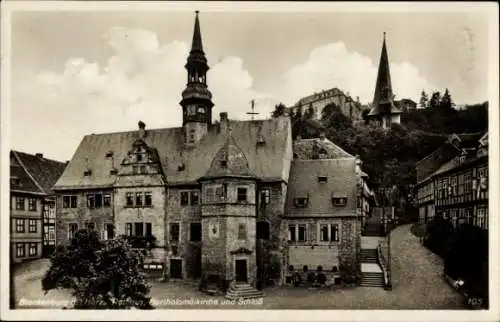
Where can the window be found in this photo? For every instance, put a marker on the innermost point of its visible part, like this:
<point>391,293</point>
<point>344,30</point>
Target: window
<point>265,195</point>
<point>195,197</point>
<point>138,157</point>
<point>210,194</point>
<point>73,201</point>
<point>19,225</point>
<point>91,201</point>
<point>148,198</point>
<point>242,194</point>
<point>219,193</point>
<point>195,231</point>
<point>72,229</point>
<point>302,233</point>
<point>128,229</point>
<point>242,231</point>
<point>139,228</point>
<point>340,201</point>
<point>66,201</point>
<point>174,232</point>
<point>98,200</point>
<point>263,230</point>
<point>130,199</point>
<point>106,199</point>
<point>31,204</point>
<point>20,250</point>
<point>292,236</point>
<point>149,229</point>
<point>138,199</point>
<point>334,232</point>
<point>300,202</point>
<point>322,179</point>
<point>52,233</point>
<point>191,136</point>
<point>324,232</point>
<point>32,225</point>
<point>19,203</point>
<point>90,226</point>
<point>109,231</point>
<point>32,249</point>
<point>184,198</point>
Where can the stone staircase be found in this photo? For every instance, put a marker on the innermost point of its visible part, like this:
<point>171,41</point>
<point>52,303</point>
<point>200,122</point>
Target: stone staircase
<point>372,279</point>
<point>369,256</point>
<point>243,291</point>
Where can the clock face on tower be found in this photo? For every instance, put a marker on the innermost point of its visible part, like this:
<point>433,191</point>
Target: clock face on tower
<point>201,110</point>
<point>191,110</point>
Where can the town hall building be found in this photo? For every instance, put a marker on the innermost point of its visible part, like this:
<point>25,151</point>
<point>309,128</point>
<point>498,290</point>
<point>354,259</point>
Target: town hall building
<point>238,200</point>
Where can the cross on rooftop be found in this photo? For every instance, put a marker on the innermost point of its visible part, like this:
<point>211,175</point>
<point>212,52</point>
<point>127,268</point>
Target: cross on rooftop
<point>253,113</point>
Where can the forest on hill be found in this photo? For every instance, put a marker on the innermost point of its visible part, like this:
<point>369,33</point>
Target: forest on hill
<point>389,156</point>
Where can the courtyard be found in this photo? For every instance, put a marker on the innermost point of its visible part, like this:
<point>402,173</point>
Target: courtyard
<point>416,272</point>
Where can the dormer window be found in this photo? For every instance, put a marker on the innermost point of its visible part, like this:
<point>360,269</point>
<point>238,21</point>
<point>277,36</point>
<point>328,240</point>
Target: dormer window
<point>14,181</point>
<point>139,157</point>
<point>322,179</point>
<point>322,153</point>
<point>223,163</point>
<point>181,167</point>
<point>87,173</point>
<point>300,202</point>
<point>339,201</point>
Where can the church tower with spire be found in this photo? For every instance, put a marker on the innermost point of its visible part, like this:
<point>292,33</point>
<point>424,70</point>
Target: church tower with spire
<point>196,98</point>
<point>384,112</point>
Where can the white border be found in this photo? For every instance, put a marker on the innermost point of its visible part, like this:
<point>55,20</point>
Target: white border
<point>258,315</point>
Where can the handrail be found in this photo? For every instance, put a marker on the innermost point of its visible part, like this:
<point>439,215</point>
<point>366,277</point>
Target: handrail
<point>384,265</point>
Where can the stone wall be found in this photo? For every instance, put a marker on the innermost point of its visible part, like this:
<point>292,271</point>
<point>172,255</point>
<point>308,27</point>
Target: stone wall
<point>187,250</point>
<point>81,215</point>
<point>349,247</point>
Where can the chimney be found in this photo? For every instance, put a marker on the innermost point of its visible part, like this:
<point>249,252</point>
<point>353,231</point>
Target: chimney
<point>224,122</point>
<point>39,155</point>
<point>322,135</point>
<point>142,130</point>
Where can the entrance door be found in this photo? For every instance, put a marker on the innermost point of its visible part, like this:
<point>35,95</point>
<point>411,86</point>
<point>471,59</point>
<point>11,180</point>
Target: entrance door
<point>175,268</point>
<point>241,270</point>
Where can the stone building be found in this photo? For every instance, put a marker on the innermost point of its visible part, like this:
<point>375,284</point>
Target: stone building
<point>457,189</point>
<point>317,101</point>
<point>384,111</point>
<point>215,196</point>
<point>32,205</point>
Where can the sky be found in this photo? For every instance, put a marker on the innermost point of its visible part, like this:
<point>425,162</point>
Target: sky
<point>76,73</point>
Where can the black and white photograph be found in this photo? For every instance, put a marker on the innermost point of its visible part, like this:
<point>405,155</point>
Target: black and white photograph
<point>250,161</point>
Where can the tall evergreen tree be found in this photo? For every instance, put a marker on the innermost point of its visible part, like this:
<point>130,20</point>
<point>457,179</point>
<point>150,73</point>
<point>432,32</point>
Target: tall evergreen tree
<point>279,110</point>
<point>423,99</point>
<point>435,100</point>
<point>446,102</point>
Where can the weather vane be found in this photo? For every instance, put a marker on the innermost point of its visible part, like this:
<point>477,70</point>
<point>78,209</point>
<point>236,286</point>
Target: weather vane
<point>253,113</point>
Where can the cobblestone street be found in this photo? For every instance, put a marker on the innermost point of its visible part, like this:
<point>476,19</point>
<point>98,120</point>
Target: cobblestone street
<point>417,284</point>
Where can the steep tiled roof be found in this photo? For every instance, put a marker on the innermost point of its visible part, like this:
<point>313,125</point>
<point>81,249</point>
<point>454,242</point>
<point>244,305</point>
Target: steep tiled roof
<point>305,148</point>
<point>267,159</point>
<point>229,161</point>
<point>34,173</point>
<point>304,183</point>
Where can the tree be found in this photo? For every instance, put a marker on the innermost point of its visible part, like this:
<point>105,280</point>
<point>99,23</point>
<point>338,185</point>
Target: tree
<point>279,110</point>
<point>446,102</point>
<point>435,100</point>
<point>423,99</point>
<point>309,114</point>
<point>101,274</point>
